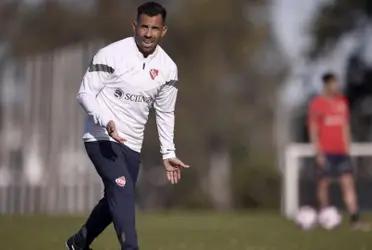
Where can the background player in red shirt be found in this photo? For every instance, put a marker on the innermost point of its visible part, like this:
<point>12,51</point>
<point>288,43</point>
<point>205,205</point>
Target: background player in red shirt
<point>329,131</point>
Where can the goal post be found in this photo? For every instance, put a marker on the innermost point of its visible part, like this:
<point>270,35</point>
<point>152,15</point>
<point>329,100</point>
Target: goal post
<point>291,171</point>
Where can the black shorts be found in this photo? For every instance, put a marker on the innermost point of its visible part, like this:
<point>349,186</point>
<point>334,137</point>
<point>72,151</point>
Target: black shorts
<point>335,166</point>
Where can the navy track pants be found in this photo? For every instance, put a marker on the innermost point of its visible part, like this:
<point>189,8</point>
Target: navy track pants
<point>118,166</point>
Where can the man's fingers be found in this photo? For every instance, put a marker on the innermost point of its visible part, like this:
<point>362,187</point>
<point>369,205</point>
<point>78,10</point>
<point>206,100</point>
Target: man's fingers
<point>185,166</point>
<point>118,138</point>
<point>178,174</point>
<point>174,176</point>
<point>170,176</point>
<point>173,181</point>
<point>181,164</point>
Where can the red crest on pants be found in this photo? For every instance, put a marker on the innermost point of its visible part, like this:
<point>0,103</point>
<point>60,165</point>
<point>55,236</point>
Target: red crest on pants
<point>121,181</point>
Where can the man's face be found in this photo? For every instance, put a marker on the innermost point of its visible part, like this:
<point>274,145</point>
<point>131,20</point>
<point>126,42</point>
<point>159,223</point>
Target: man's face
<point>332,87</point>
<point>148,31</point>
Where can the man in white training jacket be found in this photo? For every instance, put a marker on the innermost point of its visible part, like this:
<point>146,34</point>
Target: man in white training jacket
<point>124,81</point>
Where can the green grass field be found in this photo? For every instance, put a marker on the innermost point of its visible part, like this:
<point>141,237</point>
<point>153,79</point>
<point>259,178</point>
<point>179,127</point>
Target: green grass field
<point>178,231</point>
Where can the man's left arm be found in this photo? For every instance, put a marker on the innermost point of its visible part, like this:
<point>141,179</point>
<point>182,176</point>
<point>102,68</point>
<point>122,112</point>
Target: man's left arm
<point>347,136</point>
<point>347,130</point>
<point>164,105</point>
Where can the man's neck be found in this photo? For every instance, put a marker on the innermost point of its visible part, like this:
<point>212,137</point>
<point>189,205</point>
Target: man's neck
<point>145,55</point>
<point>329,95</point>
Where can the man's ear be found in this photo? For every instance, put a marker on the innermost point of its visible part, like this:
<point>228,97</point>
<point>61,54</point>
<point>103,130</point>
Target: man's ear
<point>164,31</point>
<point>134,26</point>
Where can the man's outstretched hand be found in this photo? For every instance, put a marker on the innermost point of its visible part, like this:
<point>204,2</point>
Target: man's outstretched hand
<point>113,132</point>
<point>173,167</point>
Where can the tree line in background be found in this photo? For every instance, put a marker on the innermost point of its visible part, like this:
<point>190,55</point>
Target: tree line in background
<point>337,18</point>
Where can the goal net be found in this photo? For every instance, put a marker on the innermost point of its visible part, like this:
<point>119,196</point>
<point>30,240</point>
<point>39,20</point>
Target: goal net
<point>295,154</point>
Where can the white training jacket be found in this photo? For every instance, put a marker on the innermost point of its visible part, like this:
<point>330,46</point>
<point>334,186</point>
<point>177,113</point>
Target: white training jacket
<point>122,85</point>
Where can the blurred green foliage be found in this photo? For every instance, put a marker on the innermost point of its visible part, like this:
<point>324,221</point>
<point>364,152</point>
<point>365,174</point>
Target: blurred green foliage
<point>257,182</point>
<point>337,18</point>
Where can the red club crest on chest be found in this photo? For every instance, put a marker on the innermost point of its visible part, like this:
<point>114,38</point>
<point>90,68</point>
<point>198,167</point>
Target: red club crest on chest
<point>154,73</point>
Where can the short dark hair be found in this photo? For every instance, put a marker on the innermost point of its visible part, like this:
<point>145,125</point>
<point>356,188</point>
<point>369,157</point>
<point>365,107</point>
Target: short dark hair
<point>152,9</point>
<point>327,77</point>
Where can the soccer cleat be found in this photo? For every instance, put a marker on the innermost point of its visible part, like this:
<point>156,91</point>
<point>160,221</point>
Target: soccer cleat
<point>72,244</point>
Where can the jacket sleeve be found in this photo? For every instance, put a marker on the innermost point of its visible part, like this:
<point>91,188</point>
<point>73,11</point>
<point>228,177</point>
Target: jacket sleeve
<point>100,71</point>
<point>164,105</point>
